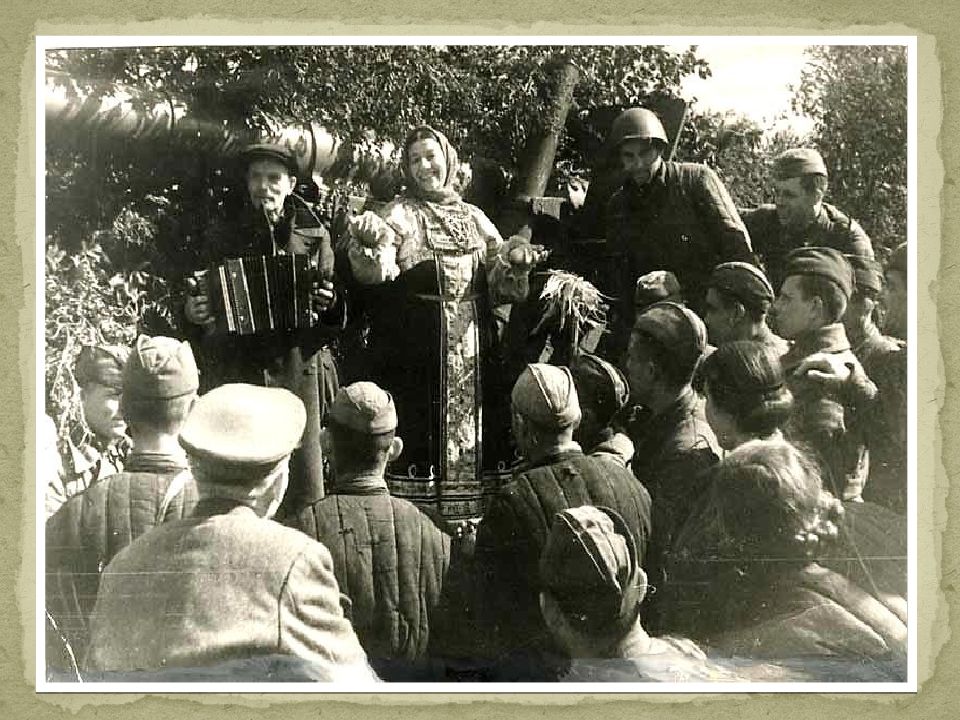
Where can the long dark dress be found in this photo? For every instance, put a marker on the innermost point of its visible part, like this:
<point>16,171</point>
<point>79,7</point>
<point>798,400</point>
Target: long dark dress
<point>433,344</point>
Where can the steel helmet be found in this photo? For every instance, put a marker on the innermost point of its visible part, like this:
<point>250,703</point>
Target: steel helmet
<point>636,123</point>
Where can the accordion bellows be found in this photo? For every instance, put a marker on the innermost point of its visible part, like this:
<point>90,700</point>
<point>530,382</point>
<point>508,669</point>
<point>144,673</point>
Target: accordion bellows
<point>261,293</point>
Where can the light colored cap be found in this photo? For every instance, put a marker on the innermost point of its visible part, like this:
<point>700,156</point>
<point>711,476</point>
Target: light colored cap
<point>364,407</point>
<point>547,395</point>
<point>161,368</point>
<point>241,425</point>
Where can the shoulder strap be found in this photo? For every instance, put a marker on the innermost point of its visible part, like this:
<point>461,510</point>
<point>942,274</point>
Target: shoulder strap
<point>174,489</point>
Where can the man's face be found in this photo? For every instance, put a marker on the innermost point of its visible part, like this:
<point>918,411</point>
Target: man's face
<point>269,183</point>
<point>895,321</point>
<point>101,410</point>
<point>720,318</point>
<point>796,206</point>
<point>640,159</point>
<point>794,314</point>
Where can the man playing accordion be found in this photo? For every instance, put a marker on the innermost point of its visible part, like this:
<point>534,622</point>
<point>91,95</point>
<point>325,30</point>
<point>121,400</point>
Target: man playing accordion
<point>263,310</point>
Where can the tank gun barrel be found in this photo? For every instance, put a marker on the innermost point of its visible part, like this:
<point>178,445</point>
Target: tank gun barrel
<point>141,118</point>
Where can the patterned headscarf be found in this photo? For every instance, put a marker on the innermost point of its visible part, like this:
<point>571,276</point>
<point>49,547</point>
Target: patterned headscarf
<point>446,194</point>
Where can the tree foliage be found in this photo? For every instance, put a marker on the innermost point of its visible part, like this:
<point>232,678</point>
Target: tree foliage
<point>857,95</point>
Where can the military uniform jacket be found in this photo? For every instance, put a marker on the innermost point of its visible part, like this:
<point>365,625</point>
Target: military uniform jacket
<point>831,228</point>
<point>829,421</point>
<point>675,450</point>
<point>84,535</point>
<point>682,220</point>
<point>221,585</point>
<point>885,361</point>
<point>514,530</point>
<point>389,559</point>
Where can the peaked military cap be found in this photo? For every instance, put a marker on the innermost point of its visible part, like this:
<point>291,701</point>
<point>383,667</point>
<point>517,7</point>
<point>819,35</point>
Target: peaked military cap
<point>242,425</point>
<point>161,368</point>
<point>799,161</point>
<point>823,262</point>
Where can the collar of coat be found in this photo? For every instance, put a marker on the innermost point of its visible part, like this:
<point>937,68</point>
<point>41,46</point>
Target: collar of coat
<point>154,462</point>
<point>361,485</point>
<point>828,339</point>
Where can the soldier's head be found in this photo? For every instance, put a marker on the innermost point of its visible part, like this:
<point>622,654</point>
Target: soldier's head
<point>666,346</point>
<point>745,392</point>
<point>896,295</point>
<point>271,176</point>
<point>656,286</point>
<point>603,392</point>
<point>800,177</point>
<point>545,408</point>
<point>738,299</point>
<point>360,435</point>
<point>99,373</point>
<point>639,142</point>
<point>591,580</point>
<point>160,383</point>
<point>238,439</point>
<point>867,290</point>
<point>817,286</point>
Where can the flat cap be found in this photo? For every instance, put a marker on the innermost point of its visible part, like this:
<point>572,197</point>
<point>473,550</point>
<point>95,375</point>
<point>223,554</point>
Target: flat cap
<point>600,383</point>
<point>744,281</point>
<point>547,395</point>
<point>676,328</point>
<point>365,408</point>
<point>867,273</point>
<point>798,161</point>
<point>160,368</point>
<point>241,425</point>
<point>101,364</point>
<point>654,287</point>
<point>823,262</point>
<point>590,565</point>
<point>898,259</point>
<point>271,151</point>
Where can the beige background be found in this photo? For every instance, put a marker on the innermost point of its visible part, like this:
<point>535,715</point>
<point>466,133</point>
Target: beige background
<point>939,264</point>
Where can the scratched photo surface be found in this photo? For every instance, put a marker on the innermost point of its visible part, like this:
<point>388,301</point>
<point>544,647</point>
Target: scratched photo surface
<point>458,364</point>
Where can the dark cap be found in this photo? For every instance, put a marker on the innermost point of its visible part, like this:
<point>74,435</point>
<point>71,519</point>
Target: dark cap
<point>656,286</point>
<point>102,364</point>
<point>676,328</point>
<point>160,368</point>
<point>272,151</point>
<point>797,162</point>
<point>365,408</point>
<point>591,566</point>
<point>744,281</point>
<point>823,262</point>
<point>600,383</point>
<point>898,259</point>
<point>867,273</point>
<point>244,425</point>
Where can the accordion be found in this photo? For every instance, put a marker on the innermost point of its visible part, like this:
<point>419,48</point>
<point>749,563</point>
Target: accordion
<point>260,293</point>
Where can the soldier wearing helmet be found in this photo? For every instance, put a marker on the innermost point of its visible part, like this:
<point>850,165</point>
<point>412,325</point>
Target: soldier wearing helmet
<point>666,216</point>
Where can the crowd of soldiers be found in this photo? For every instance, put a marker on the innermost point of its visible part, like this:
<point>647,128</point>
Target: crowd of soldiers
<point>723,477</point>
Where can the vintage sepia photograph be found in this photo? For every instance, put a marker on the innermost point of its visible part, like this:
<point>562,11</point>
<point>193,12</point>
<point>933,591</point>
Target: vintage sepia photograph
<point>459,364</point>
